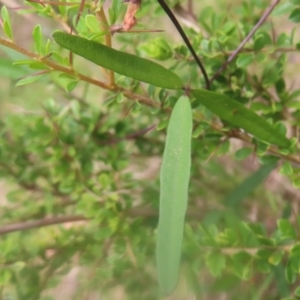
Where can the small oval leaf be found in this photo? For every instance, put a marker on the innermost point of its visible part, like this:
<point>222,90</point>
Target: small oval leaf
<point>174,180</point>
<point>120,62</point>
<point>236,114</point>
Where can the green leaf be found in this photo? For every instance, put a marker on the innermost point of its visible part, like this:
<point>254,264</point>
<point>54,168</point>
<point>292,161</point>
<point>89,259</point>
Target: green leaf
<point>295,251</point>
<point>289,272</point>
<point>264,267</point>
<point>236,114</point>
<point>286,169</point>
<point>282,9</point>
<point>243,153</point>
<point>162,125</point>
<point>6,23</point>
<point>283,40</point>
<point>5,277</point>
<point>174,180</point>
<point>136,108</point>
<point>266,241</point>
<point>244,60</point>
<point>71,86</point>
<point>295,15</point>
<point>216,263</point>
<point>262,39</point>
<point>248,185</point>
<point>8,70</point>
<point>157,48</point>
<point>198,131</point>
<point>30,63</point>
<point>29,79</point>
<point>286,228</point>
<point>276,258</point>
<point>92,23</point>
<point>38,40</point>
<point>224,148</point>
<point>114,11</point>
<point>280,86</point>
<point>296,182</point>
<point>297,291</point>
<point>120,62</point>
<point>267,159</point>
<point>242,264</point>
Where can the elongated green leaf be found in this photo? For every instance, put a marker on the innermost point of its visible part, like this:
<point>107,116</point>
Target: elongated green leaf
<point>29,79</point>
<point>174,179</point>
<point>38,40</point>
<point>295,15</point>
<point>236,114</point>
<point>114,11</point>
<point>248,185</point>
<point>6,22</point>
<point>120,62</point>
<point>8,70</point>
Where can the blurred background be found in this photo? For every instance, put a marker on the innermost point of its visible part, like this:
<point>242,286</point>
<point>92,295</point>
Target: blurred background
<point>58,159</point>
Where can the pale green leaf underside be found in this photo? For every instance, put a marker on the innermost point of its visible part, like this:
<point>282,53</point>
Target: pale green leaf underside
<point>174,179</point>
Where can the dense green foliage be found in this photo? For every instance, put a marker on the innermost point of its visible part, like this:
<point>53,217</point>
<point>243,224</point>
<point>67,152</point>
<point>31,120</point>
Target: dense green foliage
<point>81,148</point>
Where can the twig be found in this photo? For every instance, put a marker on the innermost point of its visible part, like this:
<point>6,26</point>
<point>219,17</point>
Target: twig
<point>247,38</point>
<point>133,212</point>
<point>130,136</point>
<point>40,223</point>
<point>55,2</point>
<point>137,30</point>
<point>248,139</point>
<point>190,6</point>
<point>168,11</point>
<point>250,250</point>
<point>129,20</point>
<point>144,100</point>
<point>108,41</point>
<point>187,18</point>
<point>81,8</point>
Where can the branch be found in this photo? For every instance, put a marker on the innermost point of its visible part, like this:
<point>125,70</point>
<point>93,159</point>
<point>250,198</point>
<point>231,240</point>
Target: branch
<point>250,250</point>
<point>247,38</point>
<point>56,67</point>
<point>248,139</point>
<point>130,136</point>
<point>134,212</point>
<point>187,18</point>
<point>40,223</point>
